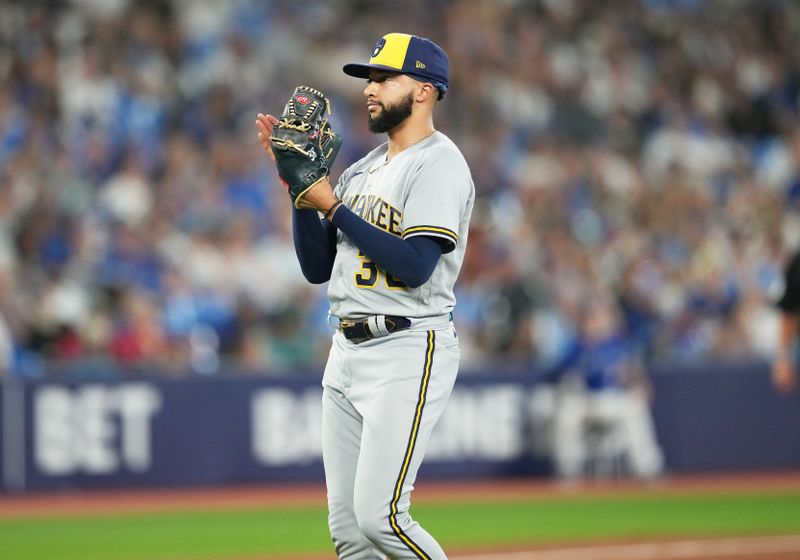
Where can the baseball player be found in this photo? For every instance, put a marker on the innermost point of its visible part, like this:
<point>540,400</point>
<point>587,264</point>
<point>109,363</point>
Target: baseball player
<point>390,242</point>
<point>783,374</point>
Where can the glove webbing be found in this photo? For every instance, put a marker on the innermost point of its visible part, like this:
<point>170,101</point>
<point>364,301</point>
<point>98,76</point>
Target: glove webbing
<point>292,145</point>
<point>302,127</point>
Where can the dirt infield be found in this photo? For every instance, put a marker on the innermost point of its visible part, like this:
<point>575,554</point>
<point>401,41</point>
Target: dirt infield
<point>766,547</point>
<point>770,547</point>
<point>777,547</point>
<point>237,497</point>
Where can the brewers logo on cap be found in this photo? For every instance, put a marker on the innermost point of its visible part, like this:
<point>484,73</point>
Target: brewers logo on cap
<point>378,47</point>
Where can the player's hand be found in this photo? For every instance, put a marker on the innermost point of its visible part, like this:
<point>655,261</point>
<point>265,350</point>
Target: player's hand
<point>265,124</point>
<point>320,197</point>
<point>783,375</point>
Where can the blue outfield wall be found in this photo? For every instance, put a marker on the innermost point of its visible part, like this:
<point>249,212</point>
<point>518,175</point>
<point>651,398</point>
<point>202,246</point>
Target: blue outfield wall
<point>199,431</point>
<point>725,418</point>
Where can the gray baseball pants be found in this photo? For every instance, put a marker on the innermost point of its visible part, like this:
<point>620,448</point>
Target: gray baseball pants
<point>381,401</point>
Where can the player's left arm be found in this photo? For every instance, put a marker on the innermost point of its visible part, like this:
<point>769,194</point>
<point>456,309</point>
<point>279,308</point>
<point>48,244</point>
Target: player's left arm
<point>438,193</point>
<point>412,261</point>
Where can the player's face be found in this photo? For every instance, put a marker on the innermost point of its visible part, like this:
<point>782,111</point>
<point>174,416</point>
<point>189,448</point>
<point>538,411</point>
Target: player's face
<point>390,100</point>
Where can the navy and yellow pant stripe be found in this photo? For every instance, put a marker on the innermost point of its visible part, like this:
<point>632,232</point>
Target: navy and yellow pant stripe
<point>412,440</point>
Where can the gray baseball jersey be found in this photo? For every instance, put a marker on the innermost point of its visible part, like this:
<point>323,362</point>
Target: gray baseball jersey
<point>426,190</point>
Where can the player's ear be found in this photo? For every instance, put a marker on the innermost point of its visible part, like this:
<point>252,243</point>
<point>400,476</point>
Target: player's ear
<point>425,92</point>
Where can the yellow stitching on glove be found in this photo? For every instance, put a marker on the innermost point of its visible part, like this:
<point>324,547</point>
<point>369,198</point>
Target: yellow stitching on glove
<point>312,90</point>
<point>291,145</point>
<point>302,127</point>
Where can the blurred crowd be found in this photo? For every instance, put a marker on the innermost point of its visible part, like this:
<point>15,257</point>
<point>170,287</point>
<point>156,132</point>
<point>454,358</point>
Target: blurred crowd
<point>642,152</point>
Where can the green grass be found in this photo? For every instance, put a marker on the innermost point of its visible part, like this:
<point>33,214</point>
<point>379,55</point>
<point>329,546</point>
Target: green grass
<point>592,518</point>
<point>185,535</point>
<point>302,530</point>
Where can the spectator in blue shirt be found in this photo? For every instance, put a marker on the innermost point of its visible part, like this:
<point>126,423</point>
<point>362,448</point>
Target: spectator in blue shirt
<point>604,388</point>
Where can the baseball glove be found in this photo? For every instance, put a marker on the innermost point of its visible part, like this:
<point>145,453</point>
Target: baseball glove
<point>303,142</point>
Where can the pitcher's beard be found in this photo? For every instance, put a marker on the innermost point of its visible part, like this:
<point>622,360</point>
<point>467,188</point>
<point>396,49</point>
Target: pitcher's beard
<point>391,115</point>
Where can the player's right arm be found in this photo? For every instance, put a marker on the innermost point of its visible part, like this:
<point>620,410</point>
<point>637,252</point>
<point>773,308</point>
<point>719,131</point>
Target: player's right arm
<point>315,245</point>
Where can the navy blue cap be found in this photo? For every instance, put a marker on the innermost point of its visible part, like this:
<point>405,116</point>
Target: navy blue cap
<point>420,58</point>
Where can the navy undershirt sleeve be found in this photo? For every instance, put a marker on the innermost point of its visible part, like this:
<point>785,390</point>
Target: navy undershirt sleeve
<point>411,260</point>
<point>315,245</point>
